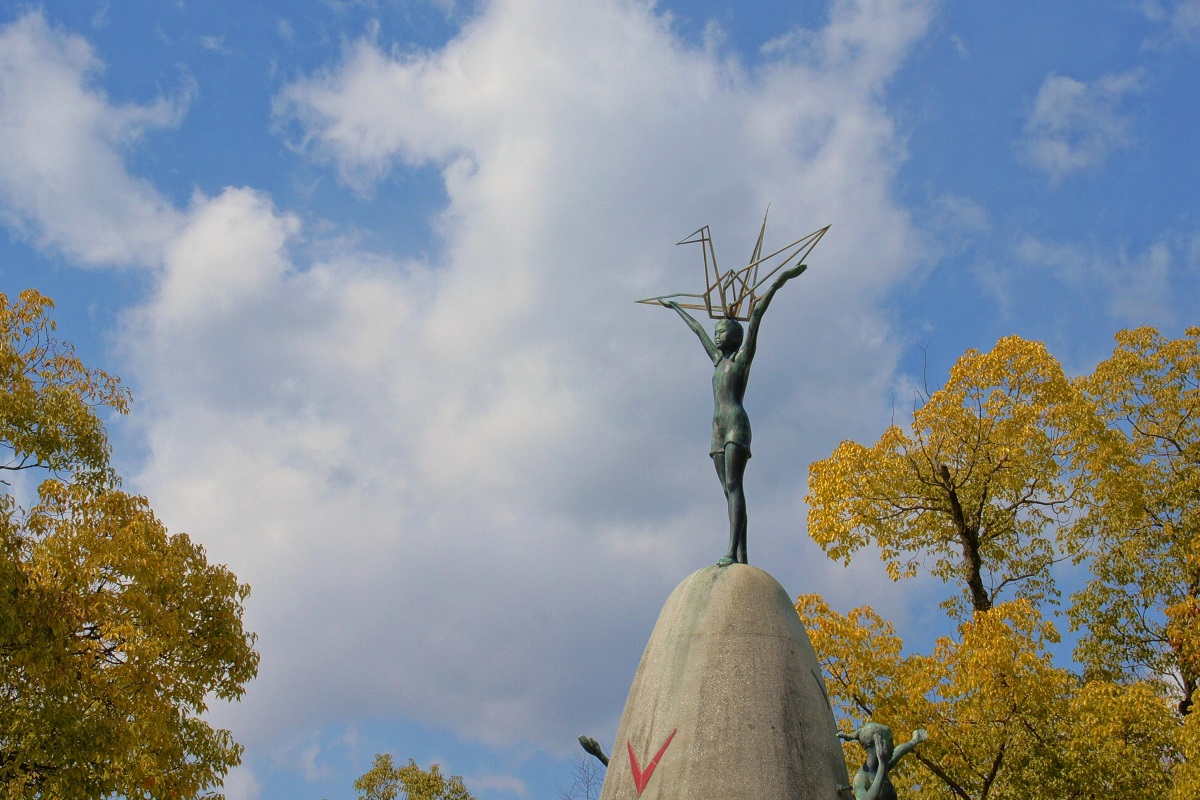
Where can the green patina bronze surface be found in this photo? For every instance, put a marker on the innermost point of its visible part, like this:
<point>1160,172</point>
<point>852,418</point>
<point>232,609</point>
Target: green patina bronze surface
<point>729,297</point>
<point>732,352</point>
<point>593,748</point>
<point>871,782</point>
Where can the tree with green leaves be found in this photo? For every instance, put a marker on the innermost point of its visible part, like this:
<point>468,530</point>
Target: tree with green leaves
<point>114,633</point>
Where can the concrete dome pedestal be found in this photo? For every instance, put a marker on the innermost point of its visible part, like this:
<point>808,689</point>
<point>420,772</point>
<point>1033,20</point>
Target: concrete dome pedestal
<point>728,702</point>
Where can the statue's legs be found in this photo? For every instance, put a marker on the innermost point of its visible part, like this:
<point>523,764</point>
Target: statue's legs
<point>731,466</point>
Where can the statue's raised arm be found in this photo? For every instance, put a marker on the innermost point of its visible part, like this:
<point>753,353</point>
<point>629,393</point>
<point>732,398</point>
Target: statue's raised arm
<point>697,328</point>
<point>760,308</point>
<point>919,735</point>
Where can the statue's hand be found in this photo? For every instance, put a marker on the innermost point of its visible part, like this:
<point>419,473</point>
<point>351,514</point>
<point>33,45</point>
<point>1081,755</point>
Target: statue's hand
<point>919,735</point>
<point>593,748</point>
<point>788,274</point>
<point>669,304</point>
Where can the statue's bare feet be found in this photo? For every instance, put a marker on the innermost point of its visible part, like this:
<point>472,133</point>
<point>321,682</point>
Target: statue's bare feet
<point>725,561</point>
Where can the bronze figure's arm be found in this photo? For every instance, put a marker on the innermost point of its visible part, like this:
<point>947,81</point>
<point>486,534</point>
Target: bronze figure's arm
<point>919,735</point>
<point>746,353</point>
<point>697,328</point>
<point>593,748</point>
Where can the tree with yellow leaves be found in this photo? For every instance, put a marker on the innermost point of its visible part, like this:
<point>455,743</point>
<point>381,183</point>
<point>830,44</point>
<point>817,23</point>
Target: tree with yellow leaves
<point>385,781</point>
<point>114,634</point>
<point>1003,472</point>
<point>976,489</point>
<point>1186,776</point>
<point>1141,610</point>
<point>1003,720</point>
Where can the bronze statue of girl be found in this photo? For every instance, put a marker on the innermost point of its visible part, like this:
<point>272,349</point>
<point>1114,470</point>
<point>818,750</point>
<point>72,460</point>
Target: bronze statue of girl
<point>871,782</point>
<point>732,352</point>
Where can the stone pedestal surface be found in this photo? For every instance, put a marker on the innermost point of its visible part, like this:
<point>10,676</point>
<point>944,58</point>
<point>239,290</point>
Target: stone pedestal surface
<point>728,702</point>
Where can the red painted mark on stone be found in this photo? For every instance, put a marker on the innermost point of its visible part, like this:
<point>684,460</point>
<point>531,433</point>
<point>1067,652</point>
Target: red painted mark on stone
<point>640,778</point>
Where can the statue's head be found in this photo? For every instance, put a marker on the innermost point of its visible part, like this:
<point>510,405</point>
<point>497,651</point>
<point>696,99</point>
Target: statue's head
<point>727,335</point>
<point>872,734</point>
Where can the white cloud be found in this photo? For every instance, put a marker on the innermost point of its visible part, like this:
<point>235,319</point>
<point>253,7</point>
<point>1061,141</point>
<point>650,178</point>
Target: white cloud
<point>507,784</point>
<point>229,250</point>
<point>461,489</point>
<point>241,784</point>
<point>475,480</point>
<point>1185,20</point>
<point>955,223</point>
<point>63,181</point>
<point>1136,288</point>
<point>1180,20</point>
<point>1075,126</point>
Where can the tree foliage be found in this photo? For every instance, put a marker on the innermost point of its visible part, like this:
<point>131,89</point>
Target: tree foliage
<point>386,781</point>
<point>1008,469</point>
<point>114,633</point>
<point>1141,610</point>
<point>1003,720</point>
<point>1186,776</point>
<point>975,488</point>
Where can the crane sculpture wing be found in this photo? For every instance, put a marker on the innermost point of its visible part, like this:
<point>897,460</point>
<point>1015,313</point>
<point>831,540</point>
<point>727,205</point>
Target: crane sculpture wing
<point>734,293</point>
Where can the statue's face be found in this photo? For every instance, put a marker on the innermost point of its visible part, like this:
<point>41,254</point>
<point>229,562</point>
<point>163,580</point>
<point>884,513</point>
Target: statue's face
<point>726,335</point>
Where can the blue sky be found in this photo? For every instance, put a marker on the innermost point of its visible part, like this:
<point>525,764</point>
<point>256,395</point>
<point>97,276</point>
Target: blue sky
<point>369,267</point>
